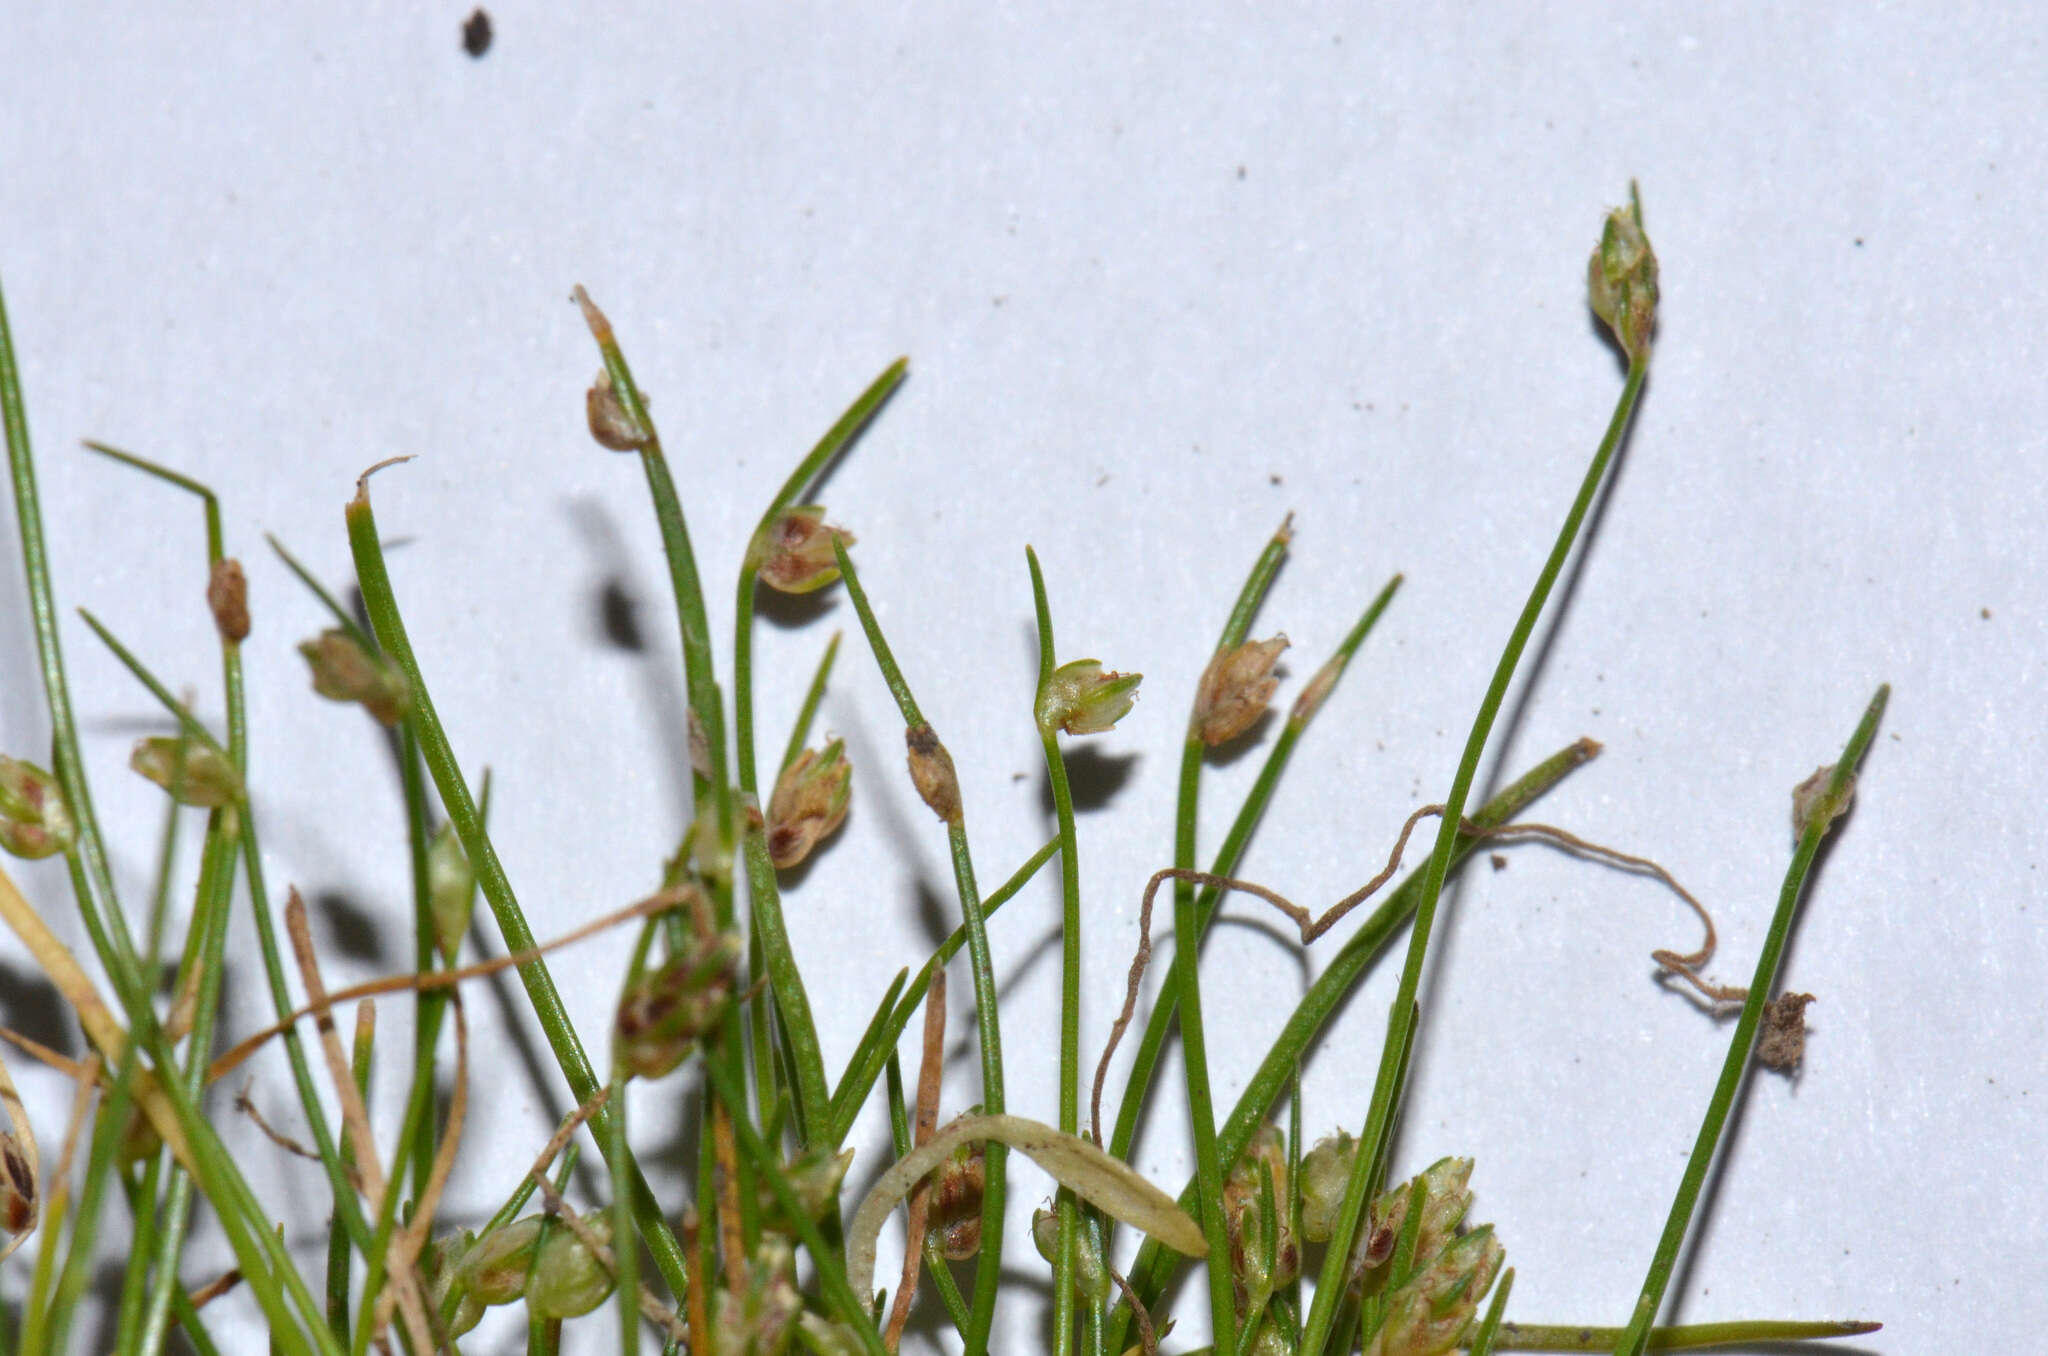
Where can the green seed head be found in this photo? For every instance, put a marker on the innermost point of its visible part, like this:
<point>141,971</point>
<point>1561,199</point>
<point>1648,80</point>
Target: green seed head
<point>1621,279</point>
<point>35,819</point>
<point>343,671</point>
<point>1083,698</point>
<point>193,773</point>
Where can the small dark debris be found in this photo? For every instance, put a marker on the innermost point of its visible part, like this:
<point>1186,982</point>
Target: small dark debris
<point>1859,242</point>
<point>1018,776</point>
<point>1782,1043</point>
<point>476,33</point>
<point>1240,171</point>
<point>1499,860</point>
<point>1273,479</point>
<point>1985,613</point>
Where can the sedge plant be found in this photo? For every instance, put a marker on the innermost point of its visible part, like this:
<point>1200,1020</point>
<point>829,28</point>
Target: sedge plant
<point>1294,1236</point>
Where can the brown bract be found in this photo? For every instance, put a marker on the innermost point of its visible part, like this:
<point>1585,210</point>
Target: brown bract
<point>1235,690</point>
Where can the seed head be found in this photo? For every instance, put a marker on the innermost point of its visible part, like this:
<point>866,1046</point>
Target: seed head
<point>1621,279</point>
<point>663,1013</point>
<point>794,553</point>
<point>569,1279</point>
<point>931,771</point>
<point>610,423</point>
<point>194,773</point>
<point>343,671</point>
<point>35,819</point>
<point>1091,1277</point>
<point>451,890</point>
<point>1083,698</point>
<point>954,1209</point>
<point>1235,689</point>
<point>810,802</point>
<point>1810,801</point>
<point>227,596</point>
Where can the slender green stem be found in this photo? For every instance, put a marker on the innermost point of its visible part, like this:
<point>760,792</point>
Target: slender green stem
<point>1066,1240</point>
<point>546,1000</point>
<point>699,679</point>
<point>626,1252</point>
<point>1379,1116</point>
<point>1633,1341</point>
<point>1187,985</point>
<point>987,1015</point>
<point>808,712</point>
<point>142,1204</point>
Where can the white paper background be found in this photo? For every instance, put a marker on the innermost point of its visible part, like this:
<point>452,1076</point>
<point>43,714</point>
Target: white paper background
<point>1164,277</point>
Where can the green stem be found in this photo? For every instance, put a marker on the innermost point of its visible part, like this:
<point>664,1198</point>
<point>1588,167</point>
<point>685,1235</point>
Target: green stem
<point>1634,1339</point>
<point>1379,1116</point>
<point>382,604</point>
<point>987,1017</point>
<point>1068,1216</point>
<point>1187,984</point>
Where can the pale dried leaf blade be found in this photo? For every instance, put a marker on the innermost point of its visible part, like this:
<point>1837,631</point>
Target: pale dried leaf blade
<point>1104,1182</point>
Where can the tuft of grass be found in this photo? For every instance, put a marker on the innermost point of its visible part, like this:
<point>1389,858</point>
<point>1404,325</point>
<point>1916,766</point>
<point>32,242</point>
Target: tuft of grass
<point>1303,1248</point>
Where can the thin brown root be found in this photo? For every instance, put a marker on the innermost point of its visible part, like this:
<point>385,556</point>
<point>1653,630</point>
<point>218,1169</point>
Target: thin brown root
<point>247,1106</point>
<point>1311,928</point>
<point>1148,1340</point>
<point>1687,966</point>
<point>567,1131</point>
<point>446,979</point>
<point>929,1070</point>
<point>215,1288</point>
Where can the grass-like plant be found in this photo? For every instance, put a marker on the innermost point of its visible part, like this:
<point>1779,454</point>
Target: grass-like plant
<point>769,1252</point>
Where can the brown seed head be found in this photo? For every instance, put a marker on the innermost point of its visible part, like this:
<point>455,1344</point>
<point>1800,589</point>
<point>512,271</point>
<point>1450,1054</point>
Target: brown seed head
<point>227,595</point>
<point>1235,690</point>
<point>343,671</point>
<point>794,553</point>
<point>610,422</point>
<point>931,771</point>
<point>810,801</point>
